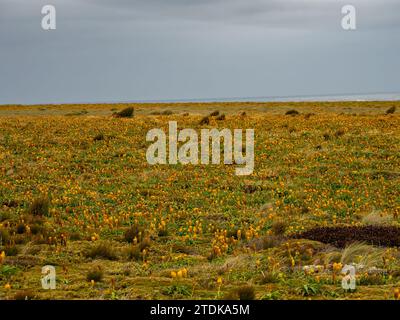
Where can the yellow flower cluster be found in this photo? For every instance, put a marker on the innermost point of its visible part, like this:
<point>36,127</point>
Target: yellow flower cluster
<point>182,273</point>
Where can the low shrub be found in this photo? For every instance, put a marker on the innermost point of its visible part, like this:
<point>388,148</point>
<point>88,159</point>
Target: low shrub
<point>377,235</point>
<point>125,113</point>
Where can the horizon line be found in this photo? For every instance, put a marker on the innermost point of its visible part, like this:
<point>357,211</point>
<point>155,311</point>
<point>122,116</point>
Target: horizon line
<point>228,99</point>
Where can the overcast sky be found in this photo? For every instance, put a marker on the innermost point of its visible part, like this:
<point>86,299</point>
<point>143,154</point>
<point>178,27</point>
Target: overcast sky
<point>126,50</point>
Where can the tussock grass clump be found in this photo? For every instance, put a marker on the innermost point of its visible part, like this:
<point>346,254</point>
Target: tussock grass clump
<point>179,248</point>
<point>167,113</point>
<point>265,242</point>
<point>327,136</point>
<point>251,188</point>
<point>292,112</point>
<point>10,250</point>
<point>98,137</point>
<point>388,236</point>
<point>363,254</point>
<point>4,236</point>
<point>10,203</point>
<point>214,113</point>
<point>339,133</point>
<point>163,232</point>
<point>376,218</point>
<point>75,236</point>
<point>39,206</point>
<point>125,113</point>
<point>144,244</point>
<point>136,252</point>
<point>221,117</point>
<point>21,228</point>
<point>103,250</point>
<point>268,277</point>
<point>134,233</point>
<point>38,229</point>
<point>95,273</point>
<point>24,295</point>
<point>372,280</point>
<point>391,110</point>
<point>4,216</point>
<point>246,292</point>
<point>279,227</point>
<point>205,120</point>
<point>77,113</point>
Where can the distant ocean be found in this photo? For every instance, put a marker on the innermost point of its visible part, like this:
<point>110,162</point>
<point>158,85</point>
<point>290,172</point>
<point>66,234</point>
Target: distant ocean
<point>339,97</point>
<point>310,98</point>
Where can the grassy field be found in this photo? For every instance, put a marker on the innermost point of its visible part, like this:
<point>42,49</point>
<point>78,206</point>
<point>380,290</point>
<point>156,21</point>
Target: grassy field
<point>77,193</point>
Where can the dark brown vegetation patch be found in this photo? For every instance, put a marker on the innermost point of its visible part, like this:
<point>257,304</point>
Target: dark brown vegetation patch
<point>292,113</point>
<point>387,236</point>
<point>214,114</point>
<point>391,110</point>
<point>205,120</point>
<point>126,113</point>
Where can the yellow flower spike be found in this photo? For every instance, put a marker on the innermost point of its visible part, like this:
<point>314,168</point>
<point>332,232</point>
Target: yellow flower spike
<point>173,274</point>
<point>7,286</point>
<point>184,272</point>
<point>2,257</point>
<point>219,280</point>
<point>92,282</point>
<point>179,274</point>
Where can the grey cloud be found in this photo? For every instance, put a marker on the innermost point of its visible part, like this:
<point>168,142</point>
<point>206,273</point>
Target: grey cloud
<point>120,50</point>
<point>275,13</point>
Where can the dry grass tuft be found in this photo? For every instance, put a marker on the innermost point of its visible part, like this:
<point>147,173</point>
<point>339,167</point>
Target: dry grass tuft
<point>376,218</point>
<point>103,250</point>
<point>40,206</point>
<point>362,254</point>
<point>246,292</point>
<point>279,227</point>
<point>95,274</point>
